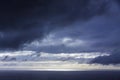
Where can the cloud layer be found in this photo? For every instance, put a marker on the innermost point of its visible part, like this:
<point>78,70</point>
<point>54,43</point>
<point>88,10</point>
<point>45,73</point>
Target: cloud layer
<point>61,26</point>
<point>25,21</point>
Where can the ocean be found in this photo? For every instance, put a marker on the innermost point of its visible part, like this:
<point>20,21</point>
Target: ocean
<point>59,75</point>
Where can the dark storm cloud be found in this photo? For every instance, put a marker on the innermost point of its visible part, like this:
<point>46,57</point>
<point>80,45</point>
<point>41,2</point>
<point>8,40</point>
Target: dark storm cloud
<point>66,25</point>
<point>98,34</point>
<point>16,24</point>
<point>114,58</point>
<point>94,33</point>
<point>111,40</point>
<point>24,21</point>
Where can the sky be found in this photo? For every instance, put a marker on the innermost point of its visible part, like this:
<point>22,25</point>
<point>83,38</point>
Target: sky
<point>62,26</point>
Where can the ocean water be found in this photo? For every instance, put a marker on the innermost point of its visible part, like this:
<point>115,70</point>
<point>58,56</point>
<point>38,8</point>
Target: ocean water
<point>59,75</point>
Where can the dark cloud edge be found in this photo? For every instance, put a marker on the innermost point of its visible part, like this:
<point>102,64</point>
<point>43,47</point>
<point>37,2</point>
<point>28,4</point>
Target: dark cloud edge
<point>114,58</point>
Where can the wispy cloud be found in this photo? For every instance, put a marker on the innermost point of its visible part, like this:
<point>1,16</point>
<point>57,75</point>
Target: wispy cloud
<point>16,56</point>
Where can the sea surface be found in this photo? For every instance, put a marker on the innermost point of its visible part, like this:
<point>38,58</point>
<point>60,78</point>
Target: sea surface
<point>59,75</point>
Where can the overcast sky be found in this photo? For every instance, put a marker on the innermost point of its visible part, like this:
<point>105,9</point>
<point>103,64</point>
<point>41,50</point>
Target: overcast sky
<point>60,25</point>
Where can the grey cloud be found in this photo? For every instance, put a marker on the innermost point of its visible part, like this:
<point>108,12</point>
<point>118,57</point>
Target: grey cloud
<point>95,23</point>
<point>34,19</point>
<point>114,58</point>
